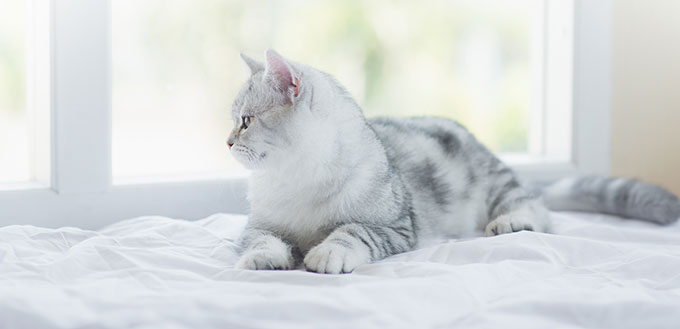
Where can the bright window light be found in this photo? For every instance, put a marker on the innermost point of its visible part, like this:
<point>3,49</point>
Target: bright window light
<point>176,69</point>
<point>15,149</point>
<point>24,94</point>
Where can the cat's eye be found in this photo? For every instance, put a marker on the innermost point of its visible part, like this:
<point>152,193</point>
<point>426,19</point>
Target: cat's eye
<point>246,121</point>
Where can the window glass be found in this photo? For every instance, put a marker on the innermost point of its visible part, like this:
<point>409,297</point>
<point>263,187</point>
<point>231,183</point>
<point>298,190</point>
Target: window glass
<point>15,150</point>
<point>176,68</point>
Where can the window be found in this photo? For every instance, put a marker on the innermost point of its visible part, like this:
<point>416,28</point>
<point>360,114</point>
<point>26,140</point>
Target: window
<point>480,62</point>
<point>172,83</point>
<point>24,117</point>
<point>131,98</point>
<point>14,143</point>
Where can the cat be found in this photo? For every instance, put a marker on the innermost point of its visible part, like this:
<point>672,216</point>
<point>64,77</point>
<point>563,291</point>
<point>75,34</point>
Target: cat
<point>332,190</point>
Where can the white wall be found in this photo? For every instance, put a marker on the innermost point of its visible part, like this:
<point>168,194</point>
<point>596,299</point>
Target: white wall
<point>645,139</point>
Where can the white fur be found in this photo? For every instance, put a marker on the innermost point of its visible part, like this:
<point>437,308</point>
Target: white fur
<point>335,259</point>
<point>282,194</point>
<point>274,255</point>
<point>315,162</point>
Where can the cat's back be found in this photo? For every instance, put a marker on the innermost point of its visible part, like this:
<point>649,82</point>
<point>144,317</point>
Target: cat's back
<point>443,165</point>
<point>427,136</point>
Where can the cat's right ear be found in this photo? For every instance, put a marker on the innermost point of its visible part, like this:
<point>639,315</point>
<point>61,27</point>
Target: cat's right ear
<point>254,65</point>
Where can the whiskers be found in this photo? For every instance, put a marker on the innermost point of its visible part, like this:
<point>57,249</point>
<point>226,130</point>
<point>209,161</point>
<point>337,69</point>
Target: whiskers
<point>247,153</point>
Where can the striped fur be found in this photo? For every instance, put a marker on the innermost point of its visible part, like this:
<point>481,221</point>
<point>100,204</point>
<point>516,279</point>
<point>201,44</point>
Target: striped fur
<point>332,190</point>
<point>617,196</point>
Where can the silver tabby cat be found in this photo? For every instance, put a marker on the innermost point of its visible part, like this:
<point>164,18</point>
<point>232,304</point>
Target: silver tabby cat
<point>332,190</point>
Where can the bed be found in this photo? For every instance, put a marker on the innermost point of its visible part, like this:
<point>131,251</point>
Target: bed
<point>596,271</point>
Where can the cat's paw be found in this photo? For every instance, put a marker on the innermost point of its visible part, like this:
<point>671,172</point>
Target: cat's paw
<point>266,259</point>
<point>508,224</point>
<point>333,258</point>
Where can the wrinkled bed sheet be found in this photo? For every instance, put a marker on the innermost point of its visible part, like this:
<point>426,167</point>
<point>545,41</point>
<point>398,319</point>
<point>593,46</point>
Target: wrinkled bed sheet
<point>154,272</point>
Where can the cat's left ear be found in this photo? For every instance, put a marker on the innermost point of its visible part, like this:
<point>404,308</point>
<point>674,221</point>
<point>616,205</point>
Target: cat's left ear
<point>253,65</point>
<point>280,73</point>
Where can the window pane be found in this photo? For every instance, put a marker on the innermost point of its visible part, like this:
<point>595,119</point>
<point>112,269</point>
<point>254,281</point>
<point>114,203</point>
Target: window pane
<point>176,68</point>
<point>174,73</point>
<point>15,150</point>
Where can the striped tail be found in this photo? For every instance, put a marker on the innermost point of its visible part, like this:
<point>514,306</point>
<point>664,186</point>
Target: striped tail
<point>623,197</point>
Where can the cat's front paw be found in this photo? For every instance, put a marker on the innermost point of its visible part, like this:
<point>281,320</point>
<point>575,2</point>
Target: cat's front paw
<point>508,224</point>
<point>266,259</point>
<point>334,258</point>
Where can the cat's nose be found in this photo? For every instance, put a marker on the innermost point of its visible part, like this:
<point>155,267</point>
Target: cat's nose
<point>231,139</point>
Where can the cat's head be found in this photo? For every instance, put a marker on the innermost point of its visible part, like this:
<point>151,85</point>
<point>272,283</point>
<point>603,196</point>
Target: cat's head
<point>264,112</point>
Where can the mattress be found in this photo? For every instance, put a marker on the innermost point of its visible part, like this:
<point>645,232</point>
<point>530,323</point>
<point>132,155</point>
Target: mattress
<point>595,271</point>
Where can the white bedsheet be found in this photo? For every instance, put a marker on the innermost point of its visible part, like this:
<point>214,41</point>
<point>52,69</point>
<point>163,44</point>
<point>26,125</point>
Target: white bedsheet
<point>154,272</point>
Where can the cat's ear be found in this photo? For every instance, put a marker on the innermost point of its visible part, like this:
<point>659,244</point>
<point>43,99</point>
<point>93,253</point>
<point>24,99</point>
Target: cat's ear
<point>254,65</point>
<point>280,73</point>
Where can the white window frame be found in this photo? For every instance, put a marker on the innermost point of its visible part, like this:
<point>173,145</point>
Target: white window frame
<point>80,191</point>
<point>589,97</point>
